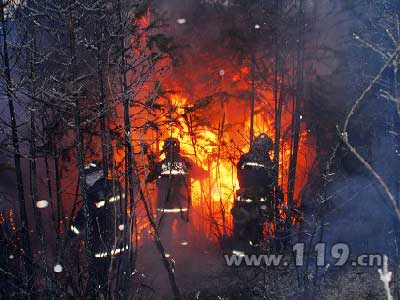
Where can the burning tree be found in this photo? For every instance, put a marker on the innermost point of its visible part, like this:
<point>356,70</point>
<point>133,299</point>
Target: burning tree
<point>58,41</point>
<point>217,98</point>
<point>110,81</point>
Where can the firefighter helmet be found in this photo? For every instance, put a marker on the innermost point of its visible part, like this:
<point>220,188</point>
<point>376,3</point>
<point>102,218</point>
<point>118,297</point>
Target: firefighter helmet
<point>93,172</point>
<point>262,142</point>
<point>92,167</point>
<point>171,145</point>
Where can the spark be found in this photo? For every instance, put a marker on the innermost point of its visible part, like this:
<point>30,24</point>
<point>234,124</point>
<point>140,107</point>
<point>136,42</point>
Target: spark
<point>181,21</point>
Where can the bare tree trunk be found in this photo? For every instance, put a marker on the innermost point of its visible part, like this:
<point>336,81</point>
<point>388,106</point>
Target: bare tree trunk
<point>49,293</point>
<point>396,181</point>
<point>59,204</point>
<point>296,114</point>
<point>49,182</point>
<point>50,189</point>
<point>82,183</point>
<point>278,100</point>
<point>126,100</point>
<point>90,291</point>
<point>253,96</point>
<point>34,192</point>
<point>103,109</point>
<point>33,167</point>
<point>395,95</point>
<point>26,246</point>
<point>160,248</point>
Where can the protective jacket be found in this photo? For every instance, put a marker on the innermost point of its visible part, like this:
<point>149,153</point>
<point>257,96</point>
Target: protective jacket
<point>255,201</point>
<point>173,184</point>
<point>107,208</point>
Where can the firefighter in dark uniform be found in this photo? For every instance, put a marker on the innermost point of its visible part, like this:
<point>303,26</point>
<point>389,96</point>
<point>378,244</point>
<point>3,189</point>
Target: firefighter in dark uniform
<point>110,235</point>
<point>255,201</point>
<point>173,179</point>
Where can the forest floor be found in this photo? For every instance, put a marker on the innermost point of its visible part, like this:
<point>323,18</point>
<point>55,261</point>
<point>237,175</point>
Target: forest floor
<point>201,273</point>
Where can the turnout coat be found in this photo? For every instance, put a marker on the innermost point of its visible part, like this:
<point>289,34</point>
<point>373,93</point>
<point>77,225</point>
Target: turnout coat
<point>173,180</point>
<point>107,208</point>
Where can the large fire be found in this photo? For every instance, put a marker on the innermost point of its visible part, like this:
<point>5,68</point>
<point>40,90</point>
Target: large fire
<point>208,109</point>
<point>205,103</point>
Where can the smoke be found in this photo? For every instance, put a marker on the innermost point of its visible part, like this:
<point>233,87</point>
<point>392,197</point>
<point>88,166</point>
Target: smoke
<point>229,26</point>
<point>214,27</point>
<point>359,216</point>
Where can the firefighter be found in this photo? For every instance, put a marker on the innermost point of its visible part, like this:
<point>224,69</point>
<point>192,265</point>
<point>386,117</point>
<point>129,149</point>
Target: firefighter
<point>173,179</point>
<point>255,200</point>
<point>106,208</point>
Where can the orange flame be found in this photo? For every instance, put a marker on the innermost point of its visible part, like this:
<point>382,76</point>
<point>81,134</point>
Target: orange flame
<point>206,105</point>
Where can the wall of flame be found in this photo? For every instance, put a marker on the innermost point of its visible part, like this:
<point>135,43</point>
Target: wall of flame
<point>207,107</point>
